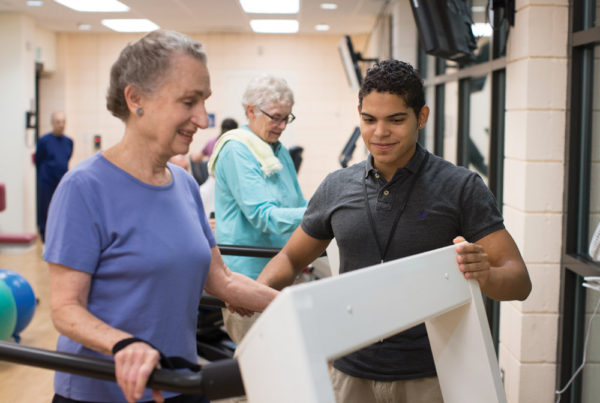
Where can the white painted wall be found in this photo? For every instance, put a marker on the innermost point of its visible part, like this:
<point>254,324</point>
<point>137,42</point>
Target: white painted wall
<point>17,81</point>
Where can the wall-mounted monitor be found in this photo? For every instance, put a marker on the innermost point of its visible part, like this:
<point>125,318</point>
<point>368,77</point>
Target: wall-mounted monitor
<point>445,29</point>
<point>346,154</point>
<point>350,61</point>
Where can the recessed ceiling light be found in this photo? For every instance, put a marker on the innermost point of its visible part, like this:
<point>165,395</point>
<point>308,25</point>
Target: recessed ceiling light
<point>329,6</point>
<point>130,25</point>
<point>271,6</point>
<point>94,6</point>
<point>35,3</point>
<point>274,26</point>
<point>322,27</point>
<point>84,27</point>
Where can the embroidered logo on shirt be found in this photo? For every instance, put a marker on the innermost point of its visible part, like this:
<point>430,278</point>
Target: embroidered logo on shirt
<point>422,214</point>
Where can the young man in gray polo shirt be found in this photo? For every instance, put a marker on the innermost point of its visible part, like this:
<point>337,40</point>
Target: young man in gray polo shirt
<point>401,201</point>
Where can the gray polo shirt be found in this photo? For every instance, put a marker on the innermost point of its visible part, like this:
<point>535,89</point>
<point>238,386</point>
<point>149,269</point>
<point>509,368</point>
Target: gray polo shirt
<point>445,201</point>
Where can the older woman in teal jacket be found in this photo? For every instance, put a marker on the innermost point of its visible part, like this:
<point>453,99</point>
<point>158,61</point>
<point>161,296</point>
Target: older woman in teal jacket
<point>258,201</point>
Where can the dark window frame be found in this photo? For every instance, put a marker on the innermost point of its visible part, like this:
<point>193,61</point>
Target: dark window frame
<point>575,264</point>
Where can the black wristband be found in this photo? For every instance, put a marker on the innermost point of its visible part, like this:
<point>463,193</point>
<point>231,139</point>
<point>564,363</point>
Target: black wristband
<point>165,362</point>
<point>121,344</point>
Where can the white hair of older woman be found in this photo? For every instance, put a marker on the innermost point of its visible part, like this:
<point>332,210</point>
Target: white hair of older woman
<point>267,89</point>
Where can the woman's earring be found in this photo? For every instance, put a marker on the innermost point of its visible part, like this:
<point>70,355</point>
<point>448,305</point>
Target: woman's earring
<point>139,111</point>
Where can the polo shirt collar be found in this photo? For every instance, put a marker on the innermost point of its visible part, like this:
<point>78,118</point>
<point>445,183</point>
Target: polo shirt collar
<point>412,166</point>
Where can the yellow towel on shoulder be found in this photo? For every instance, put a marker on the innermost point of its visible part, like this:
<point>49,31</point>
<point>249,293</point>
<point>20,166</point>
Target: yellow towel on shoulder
<point>262,151</point>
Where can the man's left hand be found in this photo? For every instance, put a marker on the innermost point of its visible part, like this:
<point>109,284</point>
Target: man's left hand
<point>472,260</point>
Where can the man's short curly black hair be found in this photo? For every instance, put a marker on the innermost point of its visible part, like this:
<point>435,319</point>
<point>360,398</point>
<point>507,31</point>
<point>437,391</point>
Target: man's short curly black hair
<point>394,77</point>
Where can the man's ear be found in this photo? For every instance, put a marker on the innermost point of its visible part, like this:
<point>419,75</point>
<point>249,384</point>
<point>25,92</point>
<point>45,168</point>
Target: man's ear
<point>423,116</point>
<point>133,97</point>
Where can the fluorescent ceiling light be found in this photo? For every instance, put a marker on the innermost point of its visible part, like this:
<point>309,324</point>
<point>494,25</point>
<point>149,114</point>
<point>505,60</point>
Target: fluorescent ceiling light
<point>270,6</point>
<point>322,27</point>
<point>130,25</point>
<point>35,3</point>
<point>329,6</point>
<point>94,6</point>
<point>274,26</point>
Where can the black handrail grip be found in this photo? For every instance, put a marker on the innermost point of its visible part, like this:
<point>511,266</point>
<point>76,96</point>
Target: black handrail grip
<point>222,379</point>
<point>217,380</point>
<point>251,251</point>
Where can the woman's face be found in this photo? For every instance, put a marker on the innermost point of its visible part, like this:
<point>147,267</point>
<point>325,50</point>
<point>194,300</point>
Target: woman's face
<point>174,111</point>
<point>269,128</point>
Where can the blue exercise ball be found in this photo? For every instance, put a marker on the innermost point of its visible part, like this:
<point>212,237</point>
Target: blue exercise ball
<point>8,312</point>
<point>24,298</point>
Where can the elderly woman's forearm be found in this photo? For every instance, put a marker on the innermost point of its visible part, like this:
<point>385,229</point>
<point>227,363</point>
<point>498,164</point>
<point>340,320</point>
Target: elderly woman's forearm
<point>76,323</point>
<point>244,292</point>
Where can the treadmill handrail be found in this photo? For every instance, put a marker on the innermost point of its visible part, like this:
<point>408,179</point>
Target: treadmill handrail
<point>216,380</point>
<point>250,251</point>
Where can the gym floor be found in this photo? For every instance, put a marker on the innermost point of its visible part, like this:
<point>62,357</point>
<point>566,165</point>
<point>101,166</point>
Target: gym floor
<point>19,383</point>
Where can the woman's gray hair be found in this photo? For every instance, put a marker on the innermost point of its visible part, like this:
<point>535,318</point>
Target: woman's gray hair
<point>266,89</point>
<point>144,63</point>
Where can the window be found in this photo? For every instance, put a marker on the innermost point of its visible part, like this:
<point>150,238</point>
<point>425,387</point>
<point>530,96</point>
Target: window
<point>451,121</point>
<point>478,143</point>
<point>466,123</point>
<point>427,135</point>
<point>582,184</point>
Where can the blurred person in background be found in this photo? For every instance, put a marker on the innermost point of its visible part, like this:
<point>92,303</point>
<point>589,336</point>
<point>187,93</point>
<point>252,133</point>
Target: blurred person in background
<point>52,154</point>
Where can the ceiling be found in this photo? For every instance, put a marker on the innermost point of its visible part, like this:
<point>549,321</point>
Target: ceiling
<point>204,16</point>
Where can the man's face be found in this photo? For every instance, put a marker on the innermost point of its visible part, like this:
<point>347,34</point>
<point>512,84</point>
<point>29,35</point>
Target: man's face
<point>58,124</point>
<point>390,129</point>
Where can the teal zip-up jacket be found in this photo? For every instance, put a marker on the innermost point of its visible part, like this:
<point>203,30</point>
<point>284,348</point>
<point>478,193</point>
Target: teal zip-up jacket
<point>254,210</point>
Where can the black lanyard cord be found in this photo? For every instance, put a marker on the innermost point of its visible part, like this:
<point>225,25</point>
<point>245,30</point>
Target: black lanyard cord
<point>383,252</point>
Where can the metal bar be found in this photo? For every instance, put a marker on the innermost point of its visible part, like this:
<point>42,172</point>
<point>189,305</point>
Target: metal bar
<point>252,251</point>
<point>466,72</point>
<point>217,380</point>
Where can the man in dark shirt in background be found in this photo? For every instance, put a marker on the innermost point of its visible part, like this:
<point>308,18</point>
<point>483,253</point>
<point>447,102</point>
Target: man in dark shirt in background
<point>52,155</point>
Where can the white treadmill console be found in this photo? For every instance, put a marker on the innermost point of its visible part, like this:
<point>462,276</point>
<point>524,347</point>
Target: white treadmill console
<point>286,354</point>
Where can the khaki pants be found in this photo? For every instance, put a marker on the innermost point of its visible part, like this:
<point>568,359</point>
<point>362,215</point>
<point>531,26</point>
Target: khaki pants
<point>236,325</point>
<point>349,389</point>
